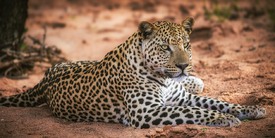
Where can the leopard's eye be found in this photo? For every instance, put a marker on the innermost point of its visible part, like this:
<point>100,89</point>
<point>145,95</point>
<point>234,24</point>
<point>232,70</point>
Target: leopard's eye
<point>164,47</point>
<point>186,44</point>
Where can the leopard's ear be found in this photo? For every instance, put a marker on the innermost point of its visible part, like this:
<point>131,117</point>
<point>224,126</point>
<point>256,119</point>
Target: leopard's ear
<point>147,30</point>
<point>187,24</point>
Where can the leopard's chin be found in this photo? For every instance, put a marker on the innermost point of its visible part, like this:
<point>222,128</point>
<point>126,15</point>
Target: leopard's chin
<point>179,78</point>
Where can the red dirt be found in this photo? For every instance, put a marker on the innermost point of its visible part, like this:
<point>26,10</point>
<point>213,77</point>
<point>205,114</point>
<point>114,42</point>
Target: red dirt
<point>235,59</point>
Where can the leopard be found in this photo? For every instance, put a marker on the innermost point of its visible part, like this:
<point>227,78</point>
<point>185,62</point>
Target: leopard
<point>144,82</point>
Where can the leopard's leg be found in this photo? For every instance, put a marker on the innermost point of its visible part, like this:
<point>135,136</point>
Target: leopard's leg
<point>159,116</point>
<point>149,110</point>
<point>240,111</point>
<point>177,96</point>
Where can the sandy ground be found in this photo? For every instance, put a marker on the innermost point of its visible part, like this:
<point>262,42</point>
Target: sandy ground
<point>235,59</point>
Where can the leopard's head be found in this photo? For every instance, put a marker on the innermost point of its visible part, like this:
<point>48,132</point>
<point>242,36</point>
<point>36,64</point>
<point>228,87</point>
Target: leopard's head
<point>166,47</point>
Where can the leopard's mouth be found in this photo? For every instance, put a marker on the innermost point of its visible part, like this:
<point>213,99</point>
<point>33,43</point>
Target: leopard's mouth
<point>176,76</point>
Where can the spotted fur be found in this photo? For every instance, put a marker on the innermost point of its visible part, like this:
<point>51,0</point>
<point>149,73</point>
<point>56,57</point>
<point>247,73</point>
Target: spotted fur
<point>142,83</point>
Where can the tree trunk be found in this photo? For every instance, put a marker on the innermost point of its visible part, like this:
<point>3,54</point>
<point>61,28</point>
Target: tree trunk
<point>13,15</point>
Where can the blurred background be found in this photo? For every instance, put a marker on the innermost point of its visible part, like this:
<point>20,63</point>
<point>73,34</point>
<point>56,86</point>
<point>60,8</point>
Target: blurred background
<point>87,29</point>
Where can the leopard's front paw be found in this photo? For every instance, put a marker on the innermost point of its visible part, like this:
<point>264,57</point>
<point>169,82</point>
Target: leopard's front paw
<point>251,112</point>
<point>259,112</point>
<point>193,85</point>
<point>225,120</point>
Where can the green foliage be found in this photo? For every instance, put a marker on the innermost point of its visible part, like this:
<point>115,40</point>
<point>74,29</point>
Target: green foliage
<point>221,12</point>
<point>204,128</point>
<point>270,9</point>
<point>245,120</point>
<point>271,13</point>
<point>206,12</point>
<point>235,5</point>
<point>23,47</point>
<point>25,30</point>
<point>216,8</point>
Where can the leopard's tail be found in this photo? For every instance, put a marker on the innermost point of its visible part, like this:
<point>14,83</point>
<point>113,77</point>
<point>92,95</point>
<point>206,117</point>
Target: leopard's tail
<point>30,98</point>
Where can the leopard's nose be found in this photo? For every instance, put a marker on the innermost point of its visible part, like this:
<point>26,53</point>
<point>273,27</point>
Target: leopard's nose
<point>182,66</point>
